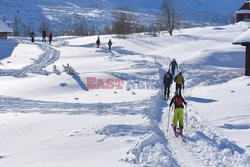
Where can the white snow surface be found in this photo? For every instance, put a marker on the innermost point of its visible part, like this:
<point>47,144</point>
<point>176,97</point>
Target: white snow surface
<point>243,38</point>
<point>56,120</point>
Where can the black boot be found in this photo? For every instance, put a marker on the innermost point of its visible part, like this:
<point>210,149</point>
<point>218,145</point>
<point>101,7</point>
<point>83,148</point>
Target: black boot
<point>175,133</point>
<point>181,130</point>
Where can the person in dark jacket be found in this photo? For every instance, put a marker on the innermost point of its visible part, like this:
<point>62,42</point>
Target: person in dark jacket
<point>50,38</point>
<point>44,34</point>
<point>32,36</point>
<point>173,65</point>
<point>167,81</point>
<point>98,42</point>
<point>178,101</point>
<point>110,44</point>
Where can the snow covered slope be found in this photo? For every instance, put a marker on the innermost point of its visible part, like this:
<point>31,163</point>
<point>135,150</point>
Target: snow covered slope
<point>58,120</point>
<point>99,12</point>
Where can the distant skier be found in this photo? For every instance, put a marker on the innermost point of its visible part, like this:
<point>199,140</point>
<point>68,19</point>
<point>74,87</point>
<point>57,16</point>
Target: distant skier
<point>179,79</point>
<point>32,36</point>
<point>167,81</point>
<point>44,34</point>
<point>50,38</point>
<point>173,65</point>
<point>110,44</point>
<point>178,101</point>
<point>98,42</point>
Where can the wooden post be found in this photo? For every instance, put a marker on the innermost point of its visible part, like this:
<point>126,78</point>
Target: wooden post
<point>247,63</point>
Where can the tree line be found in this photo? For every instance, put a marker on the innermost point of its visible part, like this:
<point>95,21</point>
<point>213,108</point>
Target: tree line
<point>125,22</point>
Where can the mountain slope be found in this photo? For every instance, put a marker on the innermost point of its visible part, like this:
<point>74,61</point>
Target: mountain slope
<point>99,12</point>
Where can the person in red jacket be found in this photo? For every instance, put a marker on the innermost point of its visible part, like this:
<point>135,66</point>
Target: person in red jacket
<point>178,101</point>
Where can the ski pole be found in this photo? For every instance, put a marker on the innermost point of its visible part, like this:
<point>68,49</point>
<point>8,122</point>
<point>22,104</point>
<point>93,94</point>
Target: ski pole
<point>186,116</point>
<point>171,90</point>
<point>168,118</point>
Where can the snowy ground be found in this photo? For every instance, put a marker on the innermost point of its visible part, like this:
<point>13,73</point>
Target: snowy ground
<point>57,120</point>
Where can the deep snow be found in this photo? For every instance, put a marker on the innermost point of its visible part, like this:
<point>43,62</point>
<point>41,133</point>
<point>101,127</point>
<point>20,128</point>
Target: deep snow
<point>56,120</point>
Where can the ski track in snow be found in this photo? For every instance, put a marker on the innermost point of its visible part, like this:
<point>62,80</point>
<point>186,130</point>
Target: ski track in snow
<point>49,56</point>
<point>157,147</point>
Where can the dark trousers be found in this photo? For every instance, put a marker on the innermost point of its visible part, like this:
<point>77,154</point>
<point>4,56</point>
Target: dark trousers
<point>178,88</point>
<point>44,39</point>
<point>173,70</point>
<point>167,90</point>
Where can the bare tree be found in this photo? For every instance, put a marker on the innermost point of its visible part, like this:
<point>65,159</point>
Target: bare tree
<point>16,24</point>
<point>124,22</point>
<point>67,25</point>
<point>169,16</point>
<point>93,29</point>
<point>159,24</point>
<point>26,29</point>
<point>75,25</point>
<point>80,27</point>
<point>45,25</point>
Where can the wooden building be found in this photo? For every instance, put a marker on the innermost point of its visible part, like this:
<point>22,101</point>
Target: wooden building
<point>244,12</point>
<point>5,30</point>
<point>244,40</point>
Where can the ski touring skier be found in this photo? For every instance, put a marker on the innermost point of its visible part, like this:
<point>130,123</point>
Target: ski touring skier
<point>167,81</point>
<point>44,36</point>
<point>178,120</point>
<point>179,80</point>
<point>173,66</point>
<point>50,38</point>
<point>98,42</point>
<point>110,44</point>
<point>32,36</point>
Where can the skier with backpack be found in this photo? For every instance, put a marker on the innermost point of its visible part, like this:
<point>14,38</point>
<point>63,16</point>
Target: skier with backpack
<point>98,42</point>
<point>178,101</point>
<point>110,44</point>
<point>32,36</point>
<point>44,34</point>
<point>167,81</point>
<point>179,80</point>
<point>50,38</point>
<point>173,65</point>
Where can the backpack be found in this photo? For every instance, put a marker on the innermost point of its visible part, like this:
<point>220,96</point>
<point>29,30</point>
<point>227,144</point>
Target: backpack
<point>178,100</point>
<point>168,76</point>
<point>179,79</point>
<point>168,79</point>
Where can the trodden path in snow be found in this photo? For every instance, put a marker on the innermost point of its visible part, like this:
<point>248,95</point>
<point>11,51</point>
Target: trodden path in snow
<point>204,146</point>
<point>157,147</point>
<point>49,56</point>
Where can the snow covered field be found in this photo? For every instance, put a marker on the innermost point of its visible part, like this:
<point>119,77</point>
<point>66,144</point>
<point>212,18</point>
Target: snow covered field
<point>58,120</point>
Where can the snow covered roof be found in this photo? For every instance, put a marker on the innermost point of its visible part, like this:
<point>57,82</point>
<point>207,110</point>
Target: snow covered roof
<point>243,38</point>
<point>243,12</point>
<point>4,27</point>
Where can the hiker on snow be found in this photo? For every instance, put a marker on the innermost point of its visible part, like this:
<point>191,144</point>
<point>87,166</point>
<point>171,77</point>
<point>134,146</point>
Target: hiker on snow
<point>44,34</point>
<point>167,81</point>
<point>178,101</point>
<point>110,44</point>
<point>98,42</point>
<point>32,36</point>
<point>179,79</point>
<point>173,65</point>
<point>50,38</point>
